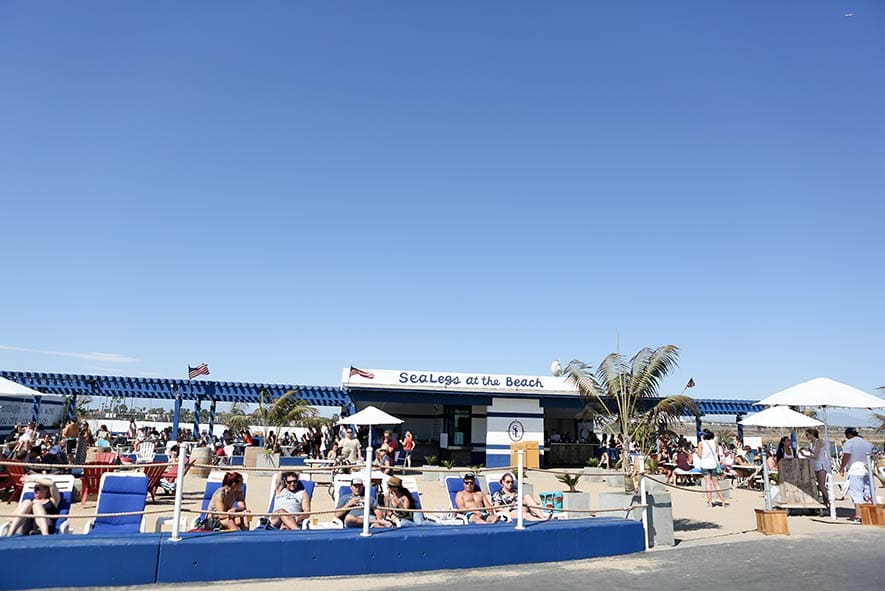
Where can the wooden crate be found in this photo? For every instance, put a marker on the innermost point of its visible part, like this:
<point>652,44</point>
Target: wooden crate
<point>772,522</point>
<point>872,514</point>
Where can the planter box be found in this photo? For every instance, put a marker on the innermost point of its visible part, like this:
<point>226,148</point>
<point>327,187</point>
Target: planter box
<point>268,461</point>
<point>872,514</point>
<point>615,479</point>
<point>595,474</point>
<point>576,501</point>
<point>660,514</point>
<point>772,522</point>
<point>430,476</point>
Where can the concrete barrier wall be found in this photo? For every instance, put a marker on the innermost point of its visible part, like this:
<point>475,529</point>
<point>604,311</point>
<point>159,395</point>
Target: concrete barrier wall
<point>148,558</point>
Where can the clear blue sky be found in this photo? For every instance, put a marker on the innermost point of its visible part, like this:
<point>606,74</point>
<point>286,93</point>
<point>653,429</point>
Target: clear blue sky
<point>284,189</point>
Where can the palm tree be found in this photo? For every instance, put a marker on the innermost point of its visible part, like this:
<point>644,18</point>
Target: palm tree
<point>286,410</point>
<point>621,389</point>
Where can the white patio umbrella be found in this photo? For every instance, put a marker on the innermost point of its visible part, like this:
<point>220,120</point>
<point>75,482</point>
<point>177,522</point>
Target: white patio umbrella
<point>369,416</point>
<point>780,416</point>
<point>823,393</point>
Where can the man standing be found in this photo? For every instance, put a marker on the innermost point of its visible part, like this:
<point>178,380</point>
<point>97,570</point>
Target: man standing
<point>854,458</point>
<point>350,448</point>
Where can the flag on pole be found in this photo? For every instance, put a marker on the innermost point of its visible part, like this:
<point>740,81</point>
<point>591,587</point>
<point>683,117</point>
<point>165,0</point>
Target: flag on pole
<point>200,370</point>
<point>361,373</point>
<point>690,383</point>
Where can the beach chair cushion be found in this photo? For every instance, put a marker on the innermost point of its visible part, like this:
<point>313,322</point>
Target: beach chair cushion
<point>121,493</point>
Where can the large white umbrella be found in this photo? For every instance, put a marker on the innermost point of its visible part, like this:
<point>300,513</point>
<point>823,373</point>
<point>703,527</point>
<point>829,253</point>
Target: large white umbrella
<point>369,416</point>
<point>823,393</point>
<point>780,416</point>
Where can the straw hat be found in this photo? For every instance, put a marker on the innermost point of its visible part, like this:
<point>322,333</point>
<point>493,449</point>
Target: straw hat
<point>394,481</point>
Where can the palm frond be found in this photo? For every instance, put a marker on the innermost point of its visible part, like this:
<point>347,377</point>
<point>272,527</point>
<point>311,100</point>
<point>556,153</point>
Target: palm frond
<point>672,408</point>
<point>649,367</point>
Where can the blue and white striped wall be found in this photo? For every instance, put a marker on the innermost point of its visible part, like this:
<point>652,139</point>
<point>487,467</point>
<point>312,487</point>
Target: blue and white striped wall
<point>500,415</point>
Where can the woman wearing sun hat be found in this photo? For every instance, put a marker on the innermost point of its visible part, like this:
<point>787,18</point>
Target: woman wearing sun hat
<point>398,502</point>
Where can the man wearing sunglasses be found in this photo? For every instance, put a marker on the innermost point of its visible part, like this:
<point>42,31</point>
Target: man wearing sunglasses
<point>291,503</point>
<point>473,503</point>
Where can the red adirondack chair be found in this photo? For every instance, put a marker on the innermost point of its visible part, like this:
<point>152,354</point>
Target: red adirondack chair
<point>16,479</point>
<point>91,478</point>
<point>154,474</point>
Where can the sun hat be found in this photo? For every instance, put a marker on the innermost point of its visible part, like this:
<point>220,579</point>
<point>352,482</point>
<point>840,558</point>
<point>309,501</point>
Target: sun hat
<point>395,482</point>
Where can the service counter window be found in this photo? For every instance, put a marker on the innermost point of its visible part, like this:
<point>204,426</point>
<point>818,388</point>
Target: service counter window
<point>457,422</point>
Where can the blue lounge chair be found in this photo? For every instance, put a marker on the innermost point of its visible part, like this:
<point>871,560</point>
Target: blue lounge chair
<point>454,485</point>
<point>120,492</point>
<point>65,485</point>
<point>303,484</point>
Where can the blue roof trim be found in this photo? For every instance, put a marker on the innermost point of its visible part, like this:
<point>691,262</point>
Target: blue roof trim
<point>169,389</point>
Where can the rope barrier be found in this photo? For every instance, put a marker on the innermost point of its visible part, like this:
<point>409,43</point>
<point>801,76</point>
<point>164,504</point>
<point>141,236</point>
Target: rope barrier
<point>667,484</point>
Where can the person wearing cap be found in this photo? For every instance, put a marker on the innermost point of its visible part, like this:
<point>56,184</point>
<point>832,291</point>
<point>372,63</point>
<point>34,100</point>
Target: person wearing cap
<point>351,510</point>
<point>291,503</point>
<point>473,503</point>
<point>854,460</point>
<point>398,502</point>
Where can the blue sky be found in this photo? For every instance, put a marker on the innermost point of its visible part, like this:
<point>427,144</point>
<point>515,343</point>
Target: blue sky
<point>285,189</point>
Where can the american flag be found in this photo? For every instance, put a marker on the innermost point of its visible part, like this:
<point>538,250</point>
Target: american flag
<point>690,383</point>
<point>200,370</point>
<point>361,373</point>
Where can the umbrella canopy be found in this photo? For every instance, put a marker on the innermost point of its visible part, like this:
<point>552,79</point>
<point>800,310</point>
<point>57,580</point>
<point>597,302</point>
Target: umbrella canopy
<point>370,416</point>
<point>10,388</point>
<point>780,416</point>
<point>824,392</point>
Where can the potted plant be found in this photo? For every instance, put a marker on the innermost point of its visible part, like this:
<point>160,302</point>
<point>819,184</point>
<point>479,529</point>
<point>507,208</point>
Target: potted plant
<point>430,462</point>
<point>573,499</point>
<point>449,466</point>
<point>619,386</point>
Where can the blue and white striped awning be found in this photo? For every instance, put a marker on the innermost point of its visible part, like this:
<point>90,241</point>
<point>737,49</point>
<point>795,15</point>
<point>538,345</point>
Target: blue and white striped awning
<point>169,389</point>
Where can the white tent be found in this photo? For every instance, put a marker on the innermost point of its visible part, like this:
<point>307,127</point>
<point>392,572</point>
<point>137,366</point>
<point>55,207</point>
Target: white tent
<point>10,388</point>
<point>369,416</point>
<point>823,393</point>
<point>780,416</point>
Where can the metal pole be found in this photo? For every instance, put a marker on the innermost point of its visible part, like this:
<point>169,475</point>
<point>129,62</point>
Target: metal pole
<point>831,491</point>
<point>871,467</point>
<point>520,505</point>
<point>367,487</point>
<point>643,499</point>
<point>179,487</point>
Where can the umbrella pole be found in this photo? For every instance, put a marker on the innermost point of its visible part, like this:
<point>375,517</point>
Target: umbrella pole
<point>766,484</point>
<point>831,491</point>
<point>367,486</point>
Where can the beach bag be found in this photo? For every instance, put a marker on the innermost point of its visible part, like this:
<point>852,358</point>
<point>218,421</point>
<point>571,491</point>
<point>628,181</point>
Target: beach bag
<point>552,501</point>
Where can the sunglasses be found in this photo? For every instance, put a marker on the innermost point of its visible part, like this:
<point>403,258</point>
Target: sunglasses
<point>291,482</point>
<point>471,482</point>
<point>507,481</point>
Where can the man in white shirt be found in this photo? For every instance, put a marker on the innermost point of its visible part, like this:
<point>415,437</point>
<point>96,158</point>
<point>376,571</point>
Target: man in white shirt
<point>854,459</point>
<point>291,503</point>
<point>350,448</point>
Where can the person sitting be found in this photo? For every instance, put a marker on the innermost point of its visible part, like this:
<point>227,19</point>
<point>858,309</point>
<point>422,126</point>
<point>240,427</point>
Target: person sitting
<point>33,514</point>
<point>332,456</point>
<point>398,502</point>
<point>382,461</point>
<point>473,503</point>
<point>219,456</point>
<point>230,498</point>
<point>351,508</point>
<point>507,498</point>
<point>291,503</point>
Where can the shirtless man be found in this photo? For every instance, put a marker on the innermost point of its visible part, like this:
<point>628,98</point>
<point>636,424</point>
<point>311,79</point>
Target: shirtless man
<point>473,504</point>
